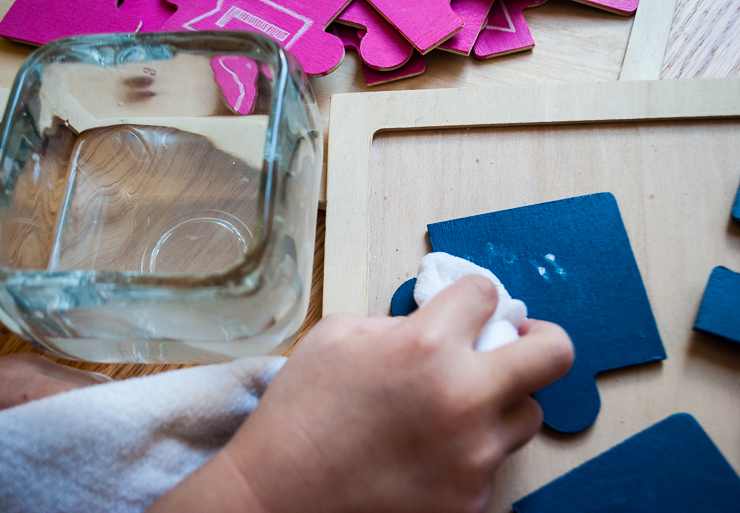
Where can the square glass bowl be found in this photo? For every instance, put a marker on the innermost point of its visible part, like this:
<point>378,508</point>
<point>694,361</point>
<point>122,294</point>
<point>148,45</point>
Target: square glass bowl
<point>158,197</point>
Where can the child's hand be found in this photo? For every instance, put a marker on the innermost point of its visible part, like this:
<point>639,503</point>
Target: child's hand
<point>386,414</point>
<point>26,377</point>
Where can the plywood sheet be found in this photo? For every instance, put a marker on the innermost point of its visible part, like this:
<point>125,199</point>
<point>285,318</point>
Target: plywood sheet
<point>665,150</point>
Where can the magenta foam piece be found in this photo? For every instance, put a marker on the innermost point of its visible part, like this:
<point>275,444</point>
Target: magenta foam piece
<point>41,21</point>
<point>506,30</point>
<point>351,38</point>
<point>382,48</point>
<point>152,13</point>
<point>297,25</point>
<point>426,24</point>
<point>624,7</point>
<point>475,13</point>
<point>237,77</point>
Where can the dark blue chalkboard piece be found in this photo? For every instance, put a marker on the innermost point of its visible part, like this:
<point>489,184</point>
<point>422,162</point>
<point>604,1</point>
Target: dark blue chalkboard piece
<point>719,313</point>
<point>671,467</point>
<point>402,302</point>
<point>736,206</point>
<point>571,262</point>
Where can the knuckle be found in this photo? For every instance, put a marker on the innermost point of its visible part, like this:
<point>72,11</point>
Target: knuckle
<point>333,320</point>
<point>483,287</point>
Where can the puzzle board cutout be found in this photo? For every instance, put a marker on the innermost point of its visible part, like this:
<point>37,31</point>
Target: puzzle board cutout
<point>527,145</point>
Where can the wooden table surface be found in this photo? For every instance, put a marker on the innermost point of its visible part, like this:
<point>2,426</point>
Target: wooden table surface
<point>574,43</point>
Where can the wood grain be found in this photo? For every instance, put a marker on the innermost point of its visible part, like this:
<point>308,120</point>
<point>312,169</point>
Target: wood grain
<point>575,43</point>
<point>647,46</point>
<point>360,117</point>
<point>703,40</point>
<point>678,223</point>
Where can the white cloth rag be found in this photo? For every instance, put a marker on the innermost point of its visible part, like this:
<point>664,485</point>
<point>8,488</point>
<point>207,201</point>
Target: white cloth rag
<point>437,271</point>
<point>118,446</point>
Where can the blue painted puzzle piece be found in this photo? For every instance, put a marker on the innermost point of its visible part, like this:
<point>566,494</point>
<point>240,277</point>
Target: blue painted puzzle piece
<point>571,262</point>
<point>719,313</point>
<point>736,206</point>
<point>672,466</point>
<point>402,302</point>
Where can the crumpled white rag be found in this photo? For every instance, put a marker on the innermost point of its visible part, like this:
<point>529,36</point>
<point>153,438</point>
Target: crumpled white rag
<point>437,271</point>
<point>118,446</point>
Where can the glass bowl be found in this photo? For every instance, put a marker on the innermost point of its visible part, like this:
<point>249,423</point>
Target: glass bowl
<point>158,197</point>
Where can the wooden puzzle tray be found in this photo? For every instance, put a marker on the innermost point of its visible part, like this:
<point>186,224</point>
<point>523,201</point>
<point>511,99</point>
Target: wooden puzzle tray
<point>667,150</point>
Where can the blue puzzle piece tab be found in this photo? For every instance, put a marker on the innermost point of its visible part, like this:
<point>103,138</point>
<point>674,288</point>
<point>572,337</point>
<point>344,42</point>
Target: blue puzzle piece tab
<point>736,206</point>
<point>719,313</point>
<point>672,466</point>
<point>571,262</point>
<point>402,302</point>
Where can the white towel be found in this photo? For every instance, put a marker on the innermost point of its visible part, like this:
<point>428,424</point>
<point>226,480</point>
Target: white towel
<point>437,271</point>
<point>118,446</point>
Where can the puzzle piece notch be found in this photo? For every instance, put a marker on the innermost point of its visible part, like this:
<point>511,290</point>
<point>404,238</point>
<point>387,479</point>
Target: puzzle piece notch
<point>571,262</point>
<point>475,14</point>
<point>623,7</point>
<point>350,36</point>
<point>40,22</point>
<point>425,24</point>
<point>296,25</point>
<point>382,48</point>
<point>671,466</point>
<point>506,30</point>
<point>719,312</point>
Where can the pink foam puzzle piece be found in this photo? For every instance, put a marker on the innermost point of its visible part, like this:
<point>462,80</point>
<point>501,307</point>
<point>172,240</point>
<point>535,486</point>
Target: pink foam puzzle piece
<point>475,13</point>
<point>425,24</point>
<point>382,48</point>
<point>41,21</point>
<point>237,77</point>
<point>352,38</point>
<point>623,7</point>
<point>152,13</point>
<point>506,30</point>
<point>298,25</point>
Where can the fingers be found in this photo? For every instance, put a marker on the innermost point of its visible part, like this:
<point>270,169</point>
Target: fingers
<point>459,312</point>
<point>541,356</point>
<point>521,422</point>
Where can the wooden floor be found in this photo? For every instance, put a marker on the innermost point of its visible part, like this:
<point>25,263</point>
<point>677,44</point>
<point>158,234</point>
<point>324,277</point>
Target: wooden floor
<point>704,42</point>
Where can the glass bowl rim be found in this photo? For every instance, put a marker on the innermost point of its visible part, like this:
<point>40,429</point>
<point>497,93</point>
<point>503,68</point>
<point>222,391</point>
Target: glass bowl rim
<point>251,261</point>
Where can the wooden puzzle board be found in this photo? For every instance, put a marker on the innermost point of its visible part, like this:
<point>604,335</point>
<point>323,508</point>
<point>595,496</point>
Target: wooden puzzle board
<point>667,150</point>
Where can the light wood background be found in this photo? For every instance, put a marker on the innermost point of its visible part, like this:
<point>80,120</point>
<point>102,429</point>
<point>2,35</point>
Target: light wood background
<point>675,203</point>
<point>574,43</point>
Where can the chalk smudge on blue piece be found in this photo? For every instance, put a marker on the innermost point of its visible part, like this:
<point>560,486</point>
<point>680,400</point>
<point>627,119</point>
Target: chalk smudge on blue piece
<point>719,313</point>
<point>672,466</point>
<point>602,304</point>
